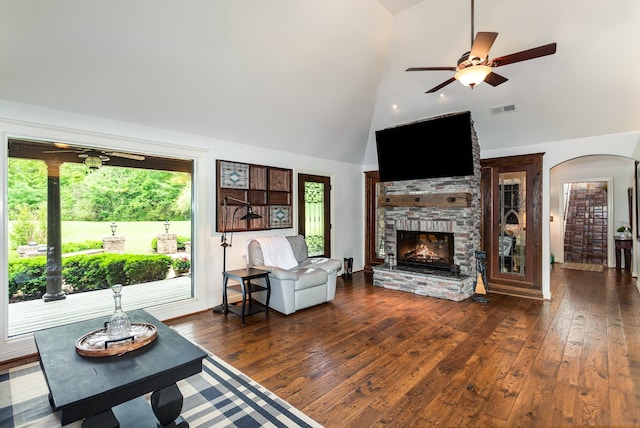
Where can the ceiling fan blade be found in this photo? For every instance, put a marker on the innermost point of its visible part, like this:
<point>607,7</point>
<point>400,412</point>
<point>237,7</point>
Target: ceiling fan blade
<point>125,155</point>
<point>482,44</point>
<point>532,53</point>
<point>440,86</point>
<point>431,69</point>
<point>495,79</point>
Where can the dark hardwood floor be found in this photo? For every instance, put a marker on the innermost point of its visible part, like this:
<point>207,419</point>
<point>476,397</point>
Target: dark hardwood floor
<point>377,357</point>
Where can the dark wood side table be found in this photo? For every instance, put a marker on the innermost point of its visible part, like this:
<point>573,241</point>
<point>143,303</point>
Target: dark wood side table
<point>109,391</point>
<point>245,287</point>
<point>623,246</point>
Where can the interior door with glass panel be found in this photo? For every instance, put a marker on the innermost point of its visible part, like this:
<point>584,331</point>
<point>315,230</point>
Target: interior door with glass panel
<point>314,213</point>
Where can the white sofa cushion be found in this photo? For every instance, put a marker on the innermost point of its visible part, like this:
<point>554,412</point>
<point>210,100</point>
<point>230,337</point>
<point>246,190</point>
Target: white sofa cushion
<point>310,277</point>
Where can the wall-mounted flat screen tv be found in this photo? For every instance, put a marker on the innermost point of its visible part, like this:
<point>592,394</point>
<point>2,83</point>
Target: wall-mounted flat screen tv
<point>432,148</point>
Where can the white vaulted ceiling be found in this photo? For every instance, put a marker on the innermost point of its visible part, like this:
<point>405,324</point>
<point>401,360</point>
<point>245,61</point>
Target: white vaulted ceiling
<point>318,77</point>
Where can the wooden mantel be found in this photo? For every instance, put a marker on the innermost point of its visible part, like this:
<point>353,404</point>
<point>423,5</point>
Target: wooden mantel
<point>436,200</point>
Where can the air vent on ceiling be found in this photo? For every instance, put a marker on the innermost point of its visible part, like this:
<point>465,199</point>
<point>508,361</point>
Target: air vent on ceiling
<point>503,109</point>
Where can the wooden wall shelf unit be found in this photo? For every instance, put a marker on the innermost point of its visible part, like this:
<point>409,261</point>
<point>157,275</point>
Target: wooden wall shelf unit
<point>268,189</point>
<point>437,200</point>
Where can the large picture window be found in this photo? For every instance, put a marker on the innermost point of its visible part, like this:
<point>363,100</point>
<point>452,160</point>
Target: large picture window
<point>81,219</point>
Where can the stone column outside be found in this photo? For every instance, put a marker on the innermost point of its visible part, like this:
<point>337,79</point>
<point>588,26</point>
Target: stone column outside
<point>113,244</point>
<point>167,243</point>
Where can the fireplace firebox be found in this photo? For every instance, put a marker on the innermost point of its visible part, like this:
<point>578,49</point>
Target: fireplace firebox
<point>427,250</point>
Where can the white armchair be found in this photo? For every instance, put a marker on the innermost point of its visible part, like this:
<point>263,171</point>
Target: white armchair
<point>311,282</point>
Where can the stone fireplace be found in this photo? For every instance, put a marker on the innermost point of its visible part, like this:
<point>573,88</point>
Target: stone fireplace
<point>440,218</point>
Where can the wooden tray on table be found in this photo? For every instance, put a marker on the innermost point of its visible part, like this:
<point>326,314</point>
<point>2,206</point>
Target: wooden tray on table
<point>98,344</point>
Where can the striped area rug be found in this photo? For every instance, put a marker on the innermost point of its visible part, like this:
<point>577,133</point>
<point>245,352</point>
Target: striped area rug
<point>219,396</point>
<point>583,266</point>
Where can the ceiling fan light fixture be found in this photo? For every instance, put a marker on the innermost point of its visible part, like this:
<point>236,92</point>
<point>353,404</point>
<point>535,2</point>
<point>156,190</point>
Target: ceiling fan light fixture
<point>472,75</point>
<point>93,162</point>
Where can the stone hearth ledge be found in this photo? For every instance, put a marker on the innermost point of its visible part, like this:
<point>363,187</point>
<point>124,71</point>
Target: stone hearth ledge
<point>456,288</point>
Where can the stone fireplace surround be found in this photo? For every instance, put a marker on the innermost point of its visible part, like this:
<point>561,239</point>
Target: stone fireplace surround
<point>462,221</point>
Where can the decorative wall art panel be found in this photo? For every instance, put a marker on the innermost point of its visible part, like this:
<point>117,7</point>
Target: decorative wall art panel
<point>266,191</point>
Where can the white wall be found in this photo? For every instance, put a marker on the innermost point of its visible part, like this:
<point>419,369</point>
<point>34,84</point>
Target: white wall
<point>347,194</point>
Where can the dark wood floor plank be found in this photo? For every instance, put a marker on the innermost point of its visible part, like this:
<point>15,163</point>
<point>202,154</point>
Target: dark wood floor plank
<point>532,405</point>
<point>416,369</point>
<point>593,404</point>
<point>562,400</point>
<point>375,357</point>
<point>622,387</point>
<point>385,354</point>
<point>561,403</point>
<point>593,401</point>
<point>487,365</point>
<point>526,337</point>
<point>495,357</point>
<point>625,411</point>
<point>547,368</point>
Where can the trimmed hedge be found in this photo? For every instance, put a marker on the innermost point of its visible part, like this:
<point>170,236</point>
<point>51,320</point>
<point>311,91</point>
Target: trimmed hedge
<point>72,247</point>
<point>28,276</point>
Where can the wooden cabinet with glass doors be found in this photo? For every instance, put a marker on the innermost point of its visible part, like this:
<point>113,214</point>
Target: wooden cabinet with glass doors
<point>374,233</point>
<point>512,224</point>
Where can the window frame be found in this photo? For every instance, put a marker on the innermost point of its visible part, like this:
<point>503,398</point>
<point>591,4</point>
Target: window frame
<point>203,296</point>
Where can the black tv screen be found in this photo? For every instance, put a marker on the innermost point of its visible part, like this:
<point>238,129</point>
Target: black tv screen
<point>433,148</point>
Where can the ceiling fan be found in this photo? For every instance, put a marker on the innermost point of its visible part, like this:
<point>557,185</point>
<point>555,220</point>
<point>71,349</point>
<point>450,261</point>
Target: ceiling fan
<point>94,159</point>
<point>475,66</point>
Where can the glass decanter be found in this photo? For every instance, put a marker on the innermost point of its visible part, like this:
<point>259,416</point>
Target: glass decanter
<point>119,324</point>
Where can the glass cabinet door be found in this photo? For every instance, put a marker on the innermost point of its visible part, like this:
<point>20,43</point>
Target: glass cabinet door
<point>512,232</point>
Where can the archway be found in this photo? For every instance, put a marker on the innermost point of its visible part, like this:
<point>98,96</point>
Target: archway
<point>617,173</point>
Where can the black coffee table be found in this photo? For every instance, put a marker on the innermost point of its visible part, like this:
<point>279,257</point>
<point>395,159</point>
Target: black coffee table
<point>107,391</point>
